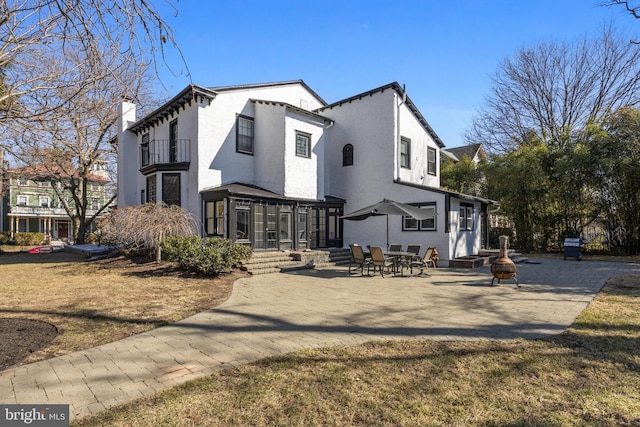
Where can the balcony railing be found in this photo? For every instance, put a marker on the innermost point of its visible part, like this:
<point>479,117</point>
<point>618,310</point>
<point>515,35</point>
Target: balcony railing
<point>40,211</point>
<point>165,152</point>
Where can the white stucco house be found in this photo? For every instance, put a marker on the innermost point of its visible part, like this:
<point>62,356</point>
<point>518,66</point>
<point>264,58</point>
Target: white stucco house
<point>274,166</point>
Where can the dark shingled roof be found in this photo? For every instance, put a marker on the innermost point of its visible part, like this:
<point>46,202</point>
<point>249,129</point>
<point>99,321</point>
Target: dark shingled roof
<point>467,150</point>
<point>239,189</point>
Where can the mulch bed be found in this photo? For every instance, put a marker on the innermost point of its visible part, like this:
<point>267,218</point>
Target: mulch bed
<point>21,337</point>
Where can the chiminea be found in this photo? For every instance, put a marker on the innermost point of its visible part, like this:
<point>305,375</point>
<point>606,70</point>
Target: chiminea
<point>503,267</point>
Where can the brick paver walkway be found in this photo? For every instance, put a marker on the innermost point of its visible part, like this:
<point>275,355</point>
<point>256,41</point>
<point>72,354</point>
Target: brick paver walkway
<point>278,313</point>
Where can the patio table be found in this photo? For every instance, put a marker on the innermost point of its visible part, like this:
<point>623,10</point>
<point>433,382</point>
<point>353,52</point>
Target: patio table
<point>396,256</point>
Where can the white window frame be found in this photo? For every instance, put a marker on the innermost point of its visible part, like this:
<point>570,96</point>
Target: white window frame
<point>412,224</point>
<point>23,197</point>
<point>466,219</point>
<point>44,201</point>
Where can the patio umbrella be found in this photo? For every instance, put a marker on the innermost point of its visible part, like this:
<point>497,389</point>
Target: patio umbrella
<point>387,207</point>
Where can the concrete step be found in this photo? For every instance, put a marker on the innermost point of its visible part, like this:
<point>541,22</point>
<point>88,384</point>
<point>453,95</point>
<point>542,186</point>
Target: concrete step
<point>272,262</point>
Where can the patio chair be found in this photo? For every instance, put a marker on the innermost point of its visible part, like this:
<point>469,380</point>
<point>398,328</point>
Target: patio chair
<point>358,258</point>
<point>407,260</point>
<point>378,260</point>
<point>414,249</point>
<point>424,262</point>
<point>397,261</point>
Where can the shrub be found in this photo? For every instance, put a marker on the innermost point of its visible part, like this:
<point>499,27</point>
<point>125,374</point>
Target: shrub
<point>4,238</point>
<point>28,239</point>
<point>205,256</point>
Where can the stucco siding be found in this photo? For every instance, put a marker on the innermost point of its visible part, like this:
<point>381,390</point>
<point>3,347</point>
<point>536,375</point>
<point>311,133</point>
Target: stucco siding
<point>304,177</point>
<point>421,141</point>
<point>368,124</point>
<point>372,231</point>
<point>219,162</point>
<point>269,147</point>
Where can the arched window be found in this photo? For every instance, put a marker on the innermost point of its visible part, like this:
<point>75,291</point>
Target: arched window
<point>347,155</point>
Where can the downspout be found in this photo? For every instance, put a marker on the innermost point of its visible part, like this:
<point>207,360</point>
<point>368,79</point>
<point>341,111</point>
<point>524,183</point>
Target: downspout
<point>398,137</point>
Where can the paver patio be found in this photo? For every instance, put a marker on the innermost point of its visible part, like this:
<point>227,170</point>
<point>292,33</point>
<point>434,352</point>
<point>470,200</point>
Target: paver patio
<point>274,314</point>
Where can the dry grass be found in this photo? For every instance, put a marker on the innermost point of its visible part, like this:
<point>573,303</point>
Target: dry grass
<point>587,376</point>
<point>96,302</point>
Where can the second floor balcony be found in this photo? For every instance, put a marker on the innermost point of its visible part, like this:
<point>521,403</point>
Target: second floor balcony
<point>165,154</point>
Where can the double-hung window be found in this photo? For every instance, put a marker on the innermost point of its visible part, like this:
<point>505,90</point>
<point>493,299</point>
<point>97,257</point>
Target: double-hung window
<point>431,161</point>
<point>405,153</point>
<point>244,135</point>
<point>466,217</point>
<point>303,144</point>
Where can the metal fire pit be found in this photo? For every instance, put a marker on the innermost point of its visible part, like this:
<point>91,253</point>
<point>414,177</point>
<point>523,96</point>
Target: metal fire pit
<point>503,268</point>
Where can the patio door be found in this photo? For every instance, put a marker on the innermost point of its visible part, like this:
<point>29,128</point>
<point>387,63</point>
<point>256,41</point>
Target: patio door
<point>325,229</point>
<point>265,226</point>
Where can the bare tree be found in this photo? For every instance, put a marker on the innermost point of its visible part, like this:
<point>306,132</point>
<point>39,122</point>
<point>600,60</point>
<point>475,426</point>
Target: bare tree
<point>143,227</point>
<point>554,89</point>
<point>69,145</point>
<point>133,31</point>
<point>633,7</point>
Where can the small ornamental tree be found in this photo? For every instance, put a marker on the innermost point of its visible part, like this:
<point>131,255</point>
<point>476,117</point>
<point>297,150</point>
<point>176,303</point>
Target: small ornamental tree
<point>144,227</point>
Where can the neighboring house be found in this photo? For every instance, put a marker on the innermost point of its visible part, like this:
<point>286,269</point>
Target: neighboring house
<point>34,206</point>
<point>474,151</point>
<point>469,184</point>
<point>274,166</point>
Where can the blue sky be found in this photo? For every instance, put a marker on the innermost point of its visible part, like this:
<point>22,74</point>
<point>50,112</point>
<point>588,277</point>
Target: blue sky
<point>444,51</point>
